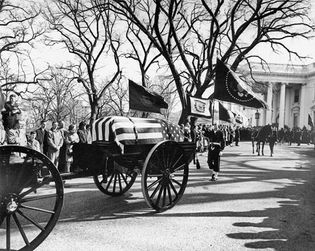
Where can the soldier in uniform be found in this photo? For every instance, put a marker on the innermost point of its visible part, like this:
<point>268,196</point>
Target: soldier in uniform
<point>215,146</point>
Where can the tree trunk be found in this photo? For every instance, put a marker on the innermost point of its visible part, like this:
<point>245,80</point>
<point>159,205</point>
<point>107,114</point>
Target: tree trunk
<point>184,115</point>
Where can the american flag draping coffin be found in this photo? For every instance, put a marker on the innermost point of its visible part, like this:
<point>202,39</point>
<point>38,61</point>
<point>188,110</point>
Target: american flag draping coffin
<point>130,130</point>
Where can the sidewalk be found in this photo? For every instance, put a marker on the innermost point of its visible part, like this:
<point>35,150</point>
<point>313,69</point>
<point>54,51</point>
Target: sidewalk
<point>269,202</point>
<point>258,203</point>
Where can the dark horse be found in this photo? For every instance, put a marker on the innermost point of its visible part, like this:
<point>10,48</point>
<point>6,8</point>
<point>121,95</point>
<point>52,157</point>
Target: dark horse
<point>260,136</point>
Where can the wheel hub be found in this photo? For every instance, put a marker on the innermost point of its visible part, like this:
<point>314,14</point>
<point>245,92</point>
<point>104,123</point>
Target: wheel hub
<point>11,204</point>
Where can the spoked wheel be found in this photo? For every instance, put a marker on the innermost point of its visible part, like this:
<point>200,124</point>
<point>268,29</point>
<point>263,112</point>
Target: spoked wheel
<point>164,175</point>
<point>117,181</point>
<point>31,197</point>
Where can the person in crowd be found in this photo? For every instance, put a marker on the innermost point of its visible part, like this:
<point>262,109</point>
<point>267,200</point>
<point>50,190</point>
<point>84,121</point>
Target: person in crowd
<point>88,133</point>
<point>290,136</point>
<point>216,145</point>
<point>42,137</point>
<point>253,136</point>
<point>71,138</point>
<point>232,136</point>
<point>10,117</point>
<point>32,142</point>
<point>55,142</point>
<point>281,135</point>
<point>298,136</point>
<point>273,137</point>
<point>62,154</point>
<point>82,133</point>
<point>305,136</point>
<point>237,135</point>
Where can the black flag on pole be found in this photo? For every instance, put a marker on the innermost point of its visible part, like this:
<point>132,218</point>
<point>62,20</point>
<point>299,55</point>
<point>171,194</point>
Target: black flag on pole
<point>230,88</point>
<point>224,114</point>
<point>143,99</point>
<point>310,121</point>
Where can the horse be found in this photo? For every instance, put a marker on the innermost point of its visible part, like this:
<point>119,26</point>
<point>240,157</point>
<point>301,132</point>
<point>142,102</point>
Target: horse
<point>261,138</point>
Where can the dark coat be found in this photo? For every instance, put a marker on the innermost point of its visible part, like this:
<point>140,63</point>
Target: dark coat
<point>215,137</point>
<point>41,137</point>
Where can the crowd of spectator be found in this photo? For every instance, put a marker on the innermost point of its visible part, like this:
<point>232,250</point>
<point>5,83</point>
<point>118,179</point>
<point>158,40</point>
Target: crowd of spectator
<point>233,134</point>
<point>56,142</point>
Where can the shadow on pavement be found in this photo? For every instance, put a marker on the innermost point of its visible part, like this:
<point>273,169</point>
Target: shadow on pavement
<point>287,226</point>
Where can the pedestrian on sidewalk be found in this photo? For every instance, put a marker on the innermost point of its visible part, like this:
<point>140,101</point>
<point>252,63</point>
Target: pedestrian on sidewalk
<point>215,146</point>
<point>273,137</point>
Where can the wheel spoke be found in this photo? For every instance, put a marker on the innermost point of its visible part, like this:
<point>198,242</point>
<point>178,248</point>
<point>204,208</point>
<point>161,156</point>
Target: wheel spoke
<point>124,178</point>
<point>174,189</point>
<point>155,190</point>
<point>176,161</point>
<point>26,175</point>
<point>8,232</point>
<point>154,183</point>
<point>176,182</point>
<point>178,168</point>
<point>155,175</point>
<point>164,196</point>
<point>110,181</point>
<point>38,209</point>
<point>32,189</point>
<point>159,195</point>
<point>114,186</point>
<point>169,193</point>
<point>40,197</point>
<point>21,229</point>
<point>30,220</point>
<point>119,181</point>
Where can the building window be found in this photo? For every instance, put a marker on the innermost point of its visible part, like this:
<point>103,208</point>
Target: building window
<point>296,95</point>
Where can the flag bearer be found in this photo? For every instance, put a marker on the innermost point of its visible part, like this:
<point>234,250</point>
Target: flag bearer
<point>215,146</point>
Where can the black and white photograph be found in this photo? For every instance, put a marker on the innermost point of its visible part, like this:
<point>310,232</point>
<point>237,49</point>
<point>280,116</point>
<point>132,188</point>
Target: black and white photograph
<point>157,125</point>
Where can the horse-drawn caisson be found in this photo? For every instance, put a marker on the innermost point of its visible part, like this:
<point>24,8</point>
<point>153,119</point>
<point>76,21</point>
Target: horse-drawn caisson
<point>31,188</point>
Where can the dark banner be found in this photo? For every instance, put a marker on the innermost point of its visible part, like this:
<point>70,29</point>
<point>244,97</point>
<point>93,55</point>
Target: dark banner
<point>310,121</point>
<point>143,99</point>
<point>230,88</point>
<point>224,114</point>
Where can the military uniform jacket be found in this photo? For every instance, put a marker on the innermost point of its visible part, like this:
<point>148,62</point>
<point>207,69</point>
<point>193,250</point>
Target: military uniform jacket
<point>215,139</point>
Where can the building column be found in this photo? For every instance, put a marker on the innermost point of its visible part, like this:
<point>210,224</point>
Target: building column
<point>282,105</point>
<point>269,103</point>
<point>303,116</point>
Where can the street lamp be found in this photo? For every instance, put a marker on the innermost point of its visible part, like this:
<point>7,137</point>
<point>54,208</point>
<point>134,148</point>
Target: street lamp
<point>257,115</point>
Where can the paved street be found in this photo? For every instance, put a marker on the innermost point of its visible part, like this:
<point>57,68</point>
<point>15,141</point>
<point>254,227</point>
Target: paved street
<point>259,202</point>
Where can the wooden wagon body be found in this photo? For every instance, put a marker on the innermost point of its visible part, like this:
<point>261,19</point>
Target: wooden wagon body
<point>31,188</point>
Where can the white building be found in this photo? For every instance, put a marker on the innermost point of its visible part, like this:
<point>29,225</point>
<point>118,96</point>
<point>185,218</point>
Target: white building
<point>289,92</point>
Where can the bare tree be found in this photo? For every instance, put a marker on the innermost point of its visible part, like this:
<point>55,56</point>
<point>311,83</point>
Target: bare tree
<point>142,50</point>
<point>87,30</point>
<point>190,35</point>
<point>19,30</point>
<point>55,98</point>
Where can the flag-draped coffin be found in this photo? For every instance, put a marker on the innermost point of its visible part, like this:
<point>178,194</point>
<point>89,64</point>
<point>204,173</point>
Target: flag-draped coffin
<point>130,131</point>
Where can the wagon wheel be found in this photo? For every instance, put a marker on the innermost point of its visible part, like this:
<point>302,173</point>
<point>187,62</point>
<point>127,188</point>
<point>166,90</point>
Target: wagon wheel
<point>31,197</point>
<point>164,175</point>
<point>117,181</point>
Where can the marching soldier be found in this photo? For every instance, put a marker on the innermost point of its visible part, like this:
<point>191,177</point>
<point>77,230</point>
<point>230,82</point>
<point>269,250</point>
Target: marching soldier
<point>215,146</point>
